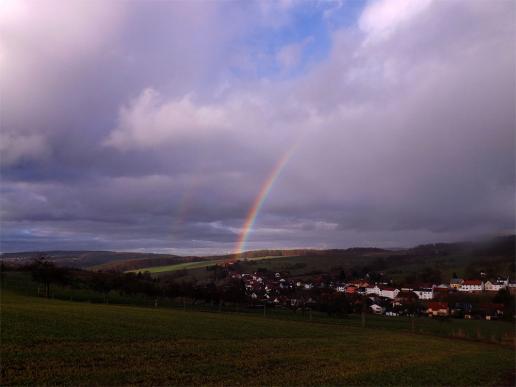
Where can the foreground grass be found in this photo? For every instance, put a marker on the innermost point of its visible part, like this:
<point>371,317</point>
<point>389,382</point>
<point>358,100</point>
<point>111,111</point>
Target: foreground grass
<point>59,342</point>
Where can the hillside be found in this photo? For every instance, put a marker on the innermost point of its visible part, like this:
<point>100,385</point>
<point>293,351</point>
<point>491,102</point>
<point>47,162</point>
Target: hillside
<point>494,257</point>
<point>52,342</point>
<point>496,254</point>
<point>139,263</point>
<point>87,259</point>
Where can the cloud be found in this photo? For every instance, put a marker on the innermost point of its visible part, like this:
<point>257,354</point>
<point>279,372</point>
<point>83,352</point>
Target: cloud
<point>381,18</point>
<point>147,122</point>
<point>149,138</point>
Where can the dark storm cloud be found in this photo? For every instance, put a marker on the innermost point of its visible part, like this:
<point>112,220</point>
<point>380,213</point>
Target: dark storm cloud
<point>127,126</point>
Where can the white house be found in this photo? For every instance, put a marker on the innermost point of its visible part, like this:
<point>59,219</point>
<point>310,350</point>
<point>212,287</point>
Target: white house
<point>382,291</point>
<point>472,286</point>
<point>494,286</point>
<point>425,293</point>
<point>372,290</point>
<point>388,292</point>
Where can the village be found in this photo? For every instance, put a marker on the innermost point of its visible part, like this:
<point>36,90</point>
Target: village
<point>479,298</point>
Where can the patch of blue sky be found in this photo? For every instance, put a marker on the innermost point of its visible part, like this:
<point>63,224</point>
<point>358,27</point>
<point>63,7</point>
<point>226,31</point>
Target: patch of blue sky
<point>310,25</point>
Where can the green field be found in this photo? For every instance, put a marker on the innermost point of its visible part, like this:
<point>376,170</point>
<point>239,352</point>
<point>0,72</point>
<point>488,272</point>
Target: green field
<point>60,342</point>
<point>192,265</point>
<point>500,332</point>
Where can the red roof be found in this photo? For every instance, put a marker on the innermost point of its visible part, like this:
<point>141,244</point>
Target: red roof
<point>437,305</point>
<point>472,282</point>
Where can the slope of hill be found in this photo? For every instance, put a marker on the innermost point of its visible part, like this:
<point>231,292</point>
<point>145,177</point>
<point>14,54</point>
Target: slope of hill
<point>495,257</point>
<point>87,259</point>
<point>139,263</point>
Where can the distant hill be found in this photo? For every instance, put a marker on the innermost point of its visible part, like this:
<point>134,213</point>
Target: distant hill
<point>480,254</point>
<point>300,253</point>
<point>140,263</point>
<point>88,259</point>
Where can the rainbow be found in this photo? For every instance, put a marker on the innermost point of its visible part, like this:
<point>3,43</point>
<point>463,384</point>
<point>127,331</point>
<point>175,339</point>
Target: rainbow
<point>260,199</point>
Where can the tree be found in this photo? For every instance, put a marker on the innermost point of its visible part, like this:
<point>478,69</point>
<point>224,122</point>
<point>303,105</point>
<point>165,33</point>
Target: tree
<point>103,283</point>
<point>431,275</point>
<point>47,273</point>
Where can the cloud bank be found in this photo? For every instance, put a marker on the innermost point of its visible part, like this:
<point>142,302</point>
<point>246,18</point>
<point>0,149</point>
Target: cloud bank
<point>152,126</point>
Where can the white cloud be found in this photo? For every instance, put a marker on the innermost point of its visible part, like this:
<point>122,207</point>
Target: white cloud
<point>149,121</point>
<point>381,18</point>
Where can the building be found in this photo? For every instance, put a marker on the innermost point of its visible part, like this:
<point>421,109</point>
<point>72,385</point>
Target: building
<point>388,292</point>
<point>456,283</point>
<point>473,285</point>
<point>382,291</point>
<point>424,293</point>
<point>438,309</point>
<point>495,285</point>
<point>372,290</point>
<point>351,289</point>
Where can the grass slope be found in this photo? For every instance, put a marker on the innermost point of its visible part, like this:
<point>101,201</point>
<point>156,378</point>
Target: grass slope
<point>194,265</point>
<point>59,342</point>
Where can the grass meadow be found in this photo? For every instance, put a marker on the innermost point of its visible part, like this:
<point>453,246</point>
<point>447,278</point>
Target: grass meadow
<point>194,265</point>
<point>47,341</point>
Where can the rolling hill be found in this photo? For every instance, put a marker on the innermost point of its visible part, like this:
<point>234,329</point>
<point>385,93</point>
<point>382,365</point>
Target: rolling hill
<point>88,259</point>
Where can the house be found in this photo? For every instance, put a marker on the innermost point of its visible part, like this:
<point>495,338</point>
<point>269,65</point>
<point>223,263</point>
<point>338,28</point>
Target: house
<point>424,293</point>
<point>495,285</point>
<point>377,309</point>
<point>382,291</point>
<point>351,289</point>
<point>470,286</point>
<point>438,309</point>
<point>372,290</point>
<point>456,283</point>
<point>388,292</point>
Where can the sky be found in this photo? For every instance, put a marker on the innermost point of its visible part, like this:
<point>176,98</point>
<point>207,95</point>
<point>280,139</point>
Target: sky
<point>208,126</point>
